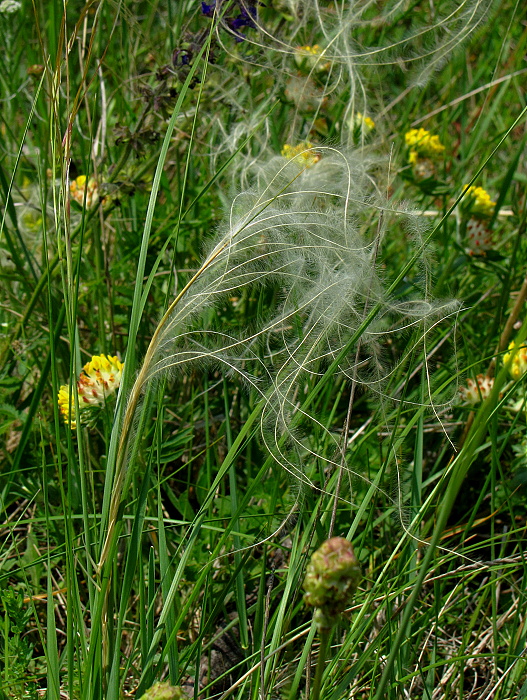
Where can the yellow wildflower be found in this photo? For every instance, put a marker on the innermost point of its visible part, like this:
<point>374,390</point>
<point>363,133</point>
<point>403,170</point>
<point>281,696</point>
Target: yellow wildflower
<point>314,50</point>
<point>78,188</point>
<point>516,358</point>
<point>98,380</point>
<point>367,123</point>
<point>303,153</point>
<point>309,58</point>
<point>361,125</point>
<point>423,144</point>
<point>478,202</point>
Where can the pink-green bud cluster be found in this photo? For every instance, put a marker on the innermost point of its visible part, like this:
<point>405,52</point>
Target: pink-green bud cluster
<point>332,577</point>
<point>164,691</point>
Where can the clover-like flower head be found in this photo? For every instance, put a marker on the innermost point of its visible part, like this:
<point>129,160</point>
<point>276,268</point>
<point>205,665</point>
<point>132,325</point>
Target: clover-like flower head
<point>8,7</point>
<point>332,577</point>
<point>83,189</point>
<point>310,58</point>
<point>422,144</point>
<point>163,691</point>
<point>476,391</point>
<point>517,356</point>
<point>477,202</point>
<point>99,379</point>
<point>303,153</point>
<point>479,236</point>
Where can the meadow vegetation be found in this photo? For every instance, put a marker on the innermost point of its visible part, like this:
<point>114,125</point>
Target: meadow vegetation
<point>263,283</point>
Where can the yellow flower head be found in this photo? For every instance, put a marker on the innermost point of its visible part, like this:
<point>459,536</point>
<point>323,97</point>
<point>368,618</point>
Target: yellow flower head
<point>314,50</point>
<point>516,358</point>
<point>99,379</point>
<point>423,144</point>
<point>303,154</point>
<point>476,391</point>
<point>367,122</point>
<point>309,58</point>
<point>78,188</point>
<point>413,156</point>
<point>477,201</point>
<point>360,124</point>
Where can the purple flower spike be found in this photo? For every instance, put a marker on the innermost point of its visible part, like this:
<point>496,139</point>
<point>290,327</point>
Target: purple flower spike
<point>208,10</point>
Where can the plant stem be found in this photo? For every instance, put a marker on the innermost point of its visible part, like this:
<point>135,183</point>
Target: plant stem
<point>324,634</point>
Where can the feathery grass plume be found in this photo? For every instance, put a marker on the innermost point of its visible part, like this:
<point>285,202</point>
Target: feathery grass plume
<point>314,233</point>
<point>419,37</point>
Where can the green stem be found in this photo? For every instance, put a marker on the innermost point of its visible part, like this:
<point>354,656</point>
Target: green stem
<point>446,273</point>
<point>324,634</point>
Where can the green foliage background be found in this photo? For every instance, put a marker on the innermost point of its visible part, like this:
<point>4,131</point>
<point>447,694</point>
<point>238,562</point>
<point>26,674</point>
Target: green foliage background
<point>191,570</point>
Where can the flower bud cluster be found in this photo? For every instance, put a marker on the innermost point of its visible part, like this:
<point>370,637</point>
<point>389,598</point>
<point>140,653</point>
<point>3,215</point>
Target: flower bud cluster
<point>332,577</point>
<point>163,691</point>
<point>477,209</point>
<point>424,149</point>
